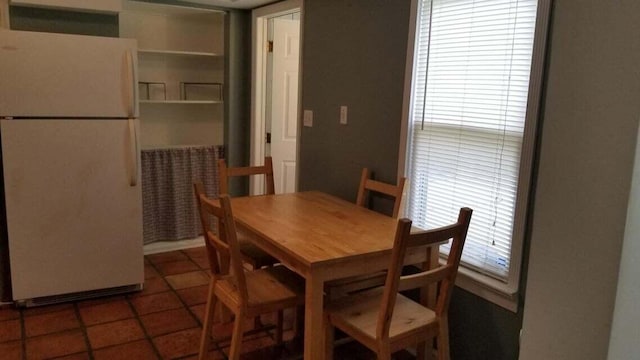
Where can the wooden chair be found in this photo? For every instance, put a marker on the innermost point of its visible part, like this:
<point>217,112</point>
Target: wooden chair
<point>248,294</point>
<point>386,321</point>
<point>367,186</point>
<point>226,172</point>
<point>251,254</point>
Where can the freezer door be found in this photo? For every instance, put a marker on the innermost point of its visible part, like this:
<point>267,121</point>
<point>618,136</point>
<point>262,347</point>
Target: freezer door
<point>67,76</point>
<point>74,217</point>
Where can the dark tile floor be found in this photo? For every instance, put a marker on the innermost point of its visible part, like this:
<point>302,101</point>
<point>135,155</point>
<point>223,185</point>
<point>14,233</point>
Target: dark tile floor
<point>163,321</point>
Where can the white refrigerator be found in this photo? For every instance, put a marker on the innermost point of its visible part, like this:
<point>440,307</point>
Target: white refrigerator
<point>71,164</point>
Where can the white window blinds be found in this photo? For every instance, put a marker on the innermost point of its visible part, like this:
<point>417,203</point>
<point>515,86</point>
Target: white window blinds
<point>471,73</point>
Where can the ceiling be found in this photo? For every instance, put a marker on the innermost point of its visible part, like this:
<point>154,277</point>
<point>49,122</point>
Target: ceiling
<point>234,4</point>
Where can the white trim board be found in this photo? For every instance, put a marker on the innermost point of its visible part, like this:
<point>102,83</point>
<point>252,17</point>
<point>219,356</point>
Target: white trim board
<point>165,246</point>
<point>259,18</point>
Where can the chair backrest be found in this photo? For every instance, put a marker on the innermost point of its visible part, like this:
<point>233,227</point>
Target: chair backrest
<point>215,264</point>
<point>225,173</point>
<point>368,185</point>
<point>444,275</point>
<point>225,242</point>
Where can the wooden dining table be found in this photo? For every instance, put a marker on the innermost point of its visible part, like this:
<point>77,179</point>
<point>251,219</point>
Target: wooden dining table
<point>322,238</point>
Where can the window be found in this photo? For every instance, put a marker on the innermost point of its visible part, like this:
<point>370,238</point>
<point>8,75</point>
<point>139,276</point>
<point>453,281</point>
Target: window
<point>471,121</point>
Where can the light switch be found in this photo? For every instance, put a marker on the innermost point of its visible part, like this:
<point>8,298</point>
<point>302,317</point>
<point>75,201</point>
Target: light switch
<point>307,119</point>
<point>343,114</point>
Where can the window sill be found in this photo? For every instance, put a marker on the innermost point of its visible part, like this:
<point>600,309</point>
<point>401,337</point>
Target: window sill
<point>488,288</point>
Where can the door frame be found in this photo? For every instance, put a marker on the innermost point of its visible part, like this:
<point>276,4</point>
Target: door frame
<point>259,21</point>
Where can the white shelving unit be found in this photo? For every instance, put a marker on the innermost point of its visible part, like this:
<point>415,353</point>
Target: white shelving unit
<point>176,45</point>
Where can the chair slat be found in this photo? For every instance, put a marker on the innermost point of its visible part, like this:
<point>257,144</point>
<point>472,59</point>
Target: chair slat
<point>253,255</point>
<point>226,172</point>
<point>368,185</point>
<point>424,278</point>
<point>433,236</point>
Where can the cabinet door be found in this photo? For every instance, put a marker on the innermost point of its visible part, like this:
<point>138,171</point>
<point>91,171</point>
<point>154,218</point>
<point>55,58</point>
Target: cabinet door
<point>109,6</point>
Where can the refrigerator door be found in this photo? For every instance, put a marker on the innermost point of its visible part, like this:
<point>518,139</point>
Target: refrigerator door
<point>67,76</point>
<point>74,216</point>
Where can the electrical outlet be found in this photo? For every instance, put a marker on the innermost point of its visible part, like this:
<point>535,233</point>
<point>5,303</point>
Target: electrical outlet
<point>343,114</point>
<point>307,119</point>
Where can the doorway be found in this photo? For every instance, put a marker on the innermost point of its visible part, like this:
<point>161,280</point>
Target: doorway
<point>275,93</point>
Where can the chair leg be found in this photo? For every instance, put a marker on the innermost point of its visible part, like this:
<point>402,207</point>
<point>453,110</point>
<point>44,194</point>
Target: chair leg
<point>298,323</point>
<point>236,338</point>
<point>384,352</point>
<point>425,350</point>
<point>257,322</point>
<point>421,351</point>
<point>443,339</point>
<point>329,338</point>
<point>208,322</point>
<point>279,323</point>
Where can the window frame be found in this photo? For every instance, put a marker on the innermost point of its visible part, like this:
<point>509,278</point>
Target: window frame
<point>484,286</point>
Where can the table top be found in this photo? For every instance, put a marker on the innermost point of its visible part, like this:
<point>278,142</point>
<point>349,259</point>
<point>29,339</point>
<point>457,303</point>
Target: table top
<point>315,228</point>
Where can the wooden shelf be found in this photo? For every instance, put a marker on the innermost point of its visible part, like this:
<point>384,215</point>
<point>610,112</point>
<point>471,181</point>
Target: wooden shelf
<point>166,9</point>
<point>178,53</point>
<point>186,102</point>
<point>177,45</point>
<point>175,147</point>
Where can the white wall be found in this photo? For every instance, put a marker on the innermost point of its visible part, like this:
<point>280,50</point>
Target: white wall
<point>626,317</point>
<point>588,142</point>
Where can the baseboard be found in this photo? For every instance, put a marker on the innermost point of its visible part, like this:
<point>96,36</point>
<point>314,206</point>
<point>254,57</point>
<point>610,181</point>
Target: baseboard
<point>165,246</point>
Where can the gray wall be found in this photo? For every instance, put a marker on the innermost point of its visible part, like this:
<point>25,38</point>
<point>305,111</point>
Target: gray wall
<point>354,54</point>
<point>237,125</point>
<point>67,22</point>
<point>590,125</point>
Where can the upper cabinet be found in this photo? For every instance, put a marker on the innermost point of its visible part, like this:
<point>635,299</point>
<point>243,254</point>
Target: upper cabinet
<point>103,6</point>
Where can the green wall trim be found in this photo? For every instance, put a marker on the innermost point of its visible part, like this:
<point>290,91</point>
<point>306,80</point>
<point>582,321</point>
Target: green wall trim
<point>62,21</point>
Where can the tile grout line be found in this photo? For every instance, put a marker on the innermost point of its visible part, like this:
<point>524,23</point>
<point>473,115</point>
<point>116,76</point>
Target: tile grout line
<point>137,316</point>
<point>215,344</point>
<point>218,344</point>
<point>184,304</point>
<point>83,328</point>
<point>23,335</point>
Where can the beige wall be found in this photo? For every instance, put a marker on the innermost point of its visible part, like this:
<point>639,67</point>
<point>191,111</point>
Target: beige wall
<point>589,133</point>
<point>4,14</point>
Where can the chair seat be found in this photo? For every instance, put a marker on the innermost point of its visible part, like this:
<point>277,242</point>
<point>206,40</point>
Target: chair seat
<point>252,254</point>
<point>268,289</point>
<point>360,312</point>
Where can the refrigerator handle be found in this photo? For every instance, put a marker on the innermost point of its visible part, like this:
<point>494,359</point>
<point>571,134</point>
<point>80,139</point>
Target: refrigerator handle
<point>131,79</point>
<point>133,141</point>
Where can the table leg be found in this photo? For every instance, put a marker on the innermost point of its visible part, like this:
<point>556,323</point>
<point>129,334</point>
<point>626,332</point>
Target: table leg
<point>313,325</point>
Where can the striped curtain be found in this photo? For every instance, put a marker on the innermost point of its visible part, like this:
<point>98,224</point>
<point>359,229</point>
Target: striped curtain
<point>169,207</point>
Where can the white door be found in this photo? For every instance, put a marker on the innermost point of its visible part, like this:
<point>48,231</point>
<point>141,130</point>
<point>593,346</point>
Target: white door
<point>74,205</point>
<point>284,106</point>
